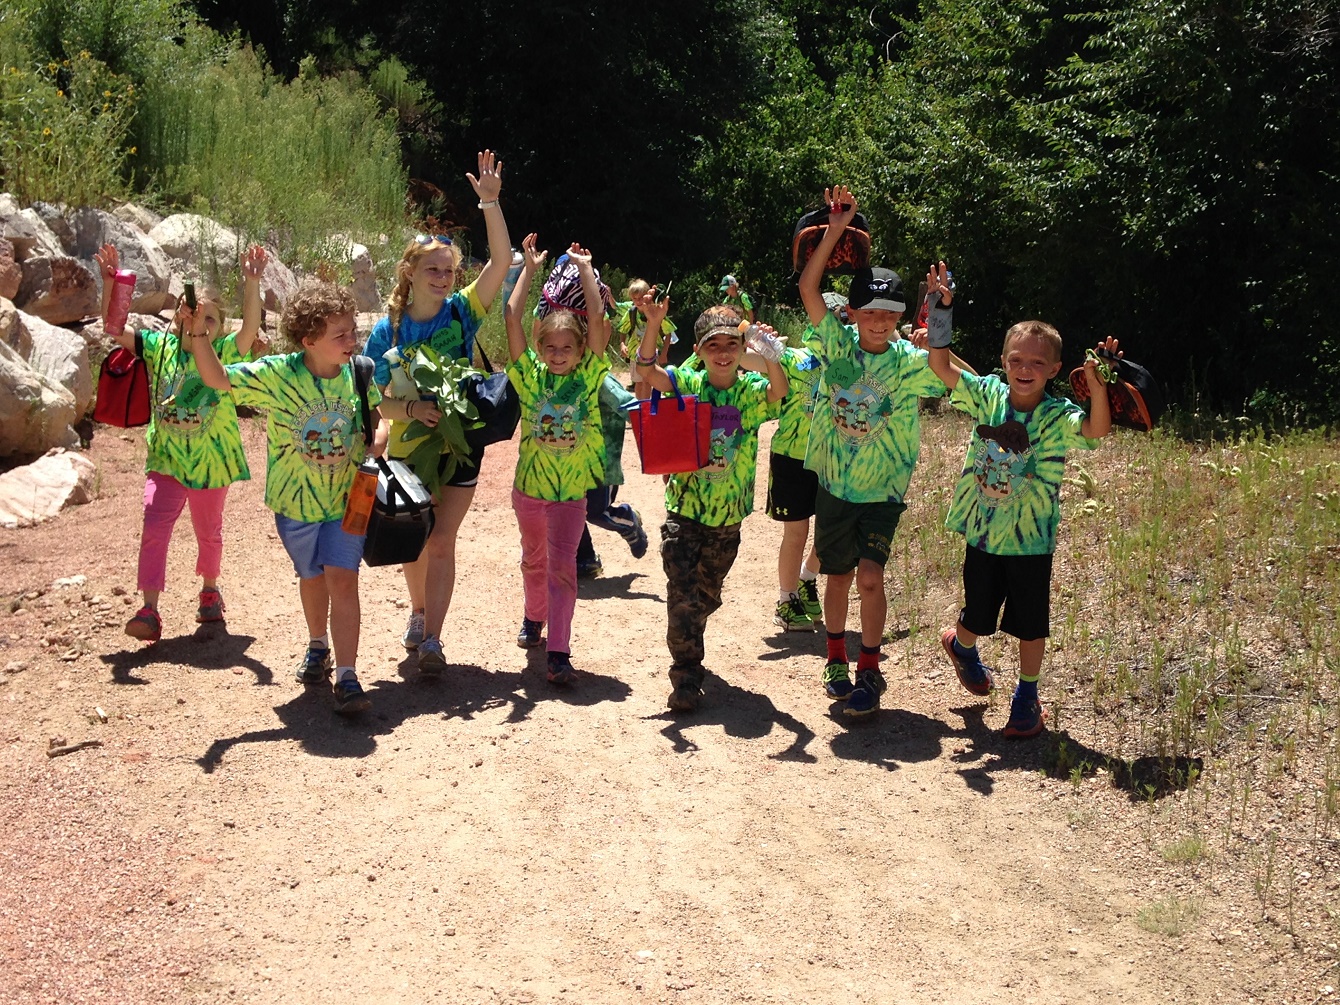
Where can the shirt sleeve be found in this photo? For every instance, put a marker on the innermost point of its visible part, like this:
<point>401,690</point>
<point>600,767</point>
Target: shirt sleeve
<point>1072,421</point>
<point>379,342</point>
<point>919,375</point>
<point>757,408</point>
<point>251,381</point>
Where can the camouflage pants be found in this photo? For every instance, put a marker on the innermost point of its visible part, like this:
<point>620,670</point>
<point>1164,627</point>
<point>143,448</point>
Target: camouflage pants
<point>696,559</point>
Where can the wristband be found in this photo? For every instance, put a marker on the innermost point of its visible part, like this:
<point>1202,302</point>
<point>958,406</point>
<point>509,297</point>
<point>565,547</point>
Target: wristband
<point>646,360</point>
<point>488,205</point>
<point>409,409</point>
<point>939,325</point>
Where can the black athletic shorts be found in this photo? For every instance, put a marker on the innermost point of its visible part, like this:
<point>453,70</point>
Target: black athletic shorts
<point>791,488</point>
<point>846,532</point>
<point>1022,583</point>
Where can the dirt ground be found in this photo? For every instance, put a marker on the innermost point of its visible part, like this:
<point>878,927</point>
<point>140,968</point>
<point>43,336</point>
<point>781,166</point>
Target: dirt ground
<point>489,838</point>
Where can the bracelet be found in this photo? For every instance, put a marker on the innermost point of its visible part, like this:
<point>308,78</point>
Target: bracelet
<point>409,409</point>
<point>488,205</point>
<point>646,360</point>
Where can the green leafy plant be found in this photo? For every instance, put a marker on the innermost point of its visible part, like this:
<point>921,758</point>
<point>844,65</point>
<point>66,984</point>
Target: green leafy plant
<point>441,377</point>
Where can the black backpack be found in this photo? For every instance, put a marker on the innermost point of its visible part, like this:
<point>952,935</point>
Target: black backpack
<point>1134,396</point>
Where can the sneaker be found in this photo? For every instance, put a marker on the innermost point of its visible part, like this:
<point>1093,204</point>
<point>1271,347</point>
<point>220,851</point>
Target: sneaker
<point>1026,720</point>
<point>560,670</point>
<point>635,536</point>
<point>413,636</point>
<point>211,606</point>
<point>864,697</point>
<point>529,636</point>
<point>145,625</point>
<point>315,667</point>
<point>684,698</point>
<point>837,681</point>
<point>792,617</point>
<point>350,698</point>
<point>589,568</point>
<point>975,676</point>
<point>808,589</point>
<point>431,660</point>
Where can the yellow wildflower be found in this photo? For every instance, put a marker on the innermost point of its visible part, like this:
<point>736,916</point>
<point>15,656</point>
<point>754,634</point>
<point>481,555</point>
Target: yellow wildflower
<point>85,54</point>
<point>106,94</point>
<point>60,94</point>
<point>46,131</point>
<point>133,149</point>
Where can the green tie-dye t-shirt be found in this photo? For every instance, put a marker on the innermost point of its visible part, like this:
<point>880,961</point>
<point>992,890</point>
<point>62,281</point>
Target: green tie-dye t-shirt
<point>722,493</point>
<point>1007,500</point>
<point>866,431</point>
<point>562,452</point>
<point>315,433</point>
<point>199,446</point>
<point>793,431</point>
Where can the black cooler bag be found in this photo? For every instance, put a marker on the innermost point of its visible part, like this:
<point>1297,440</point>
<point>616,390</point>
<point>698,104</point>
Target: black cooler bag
<point>402,516</point>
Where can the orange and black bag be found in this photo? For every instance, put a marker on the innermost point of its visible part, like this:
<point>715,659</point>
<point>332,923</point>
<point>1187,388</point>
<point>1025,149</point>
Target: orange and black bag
<point>852,251</point>
<point>1134,396</point>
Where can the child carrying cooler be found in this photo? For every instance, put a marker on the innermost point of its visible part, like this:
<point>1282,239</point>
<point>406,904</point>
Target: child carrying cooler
<point>561,456</point>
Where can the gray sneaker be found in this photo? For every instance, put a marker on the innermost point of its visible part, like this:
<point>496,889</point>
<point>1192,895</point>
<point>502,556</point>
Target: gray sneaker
<point>431,660</point>
<point>413,636</point>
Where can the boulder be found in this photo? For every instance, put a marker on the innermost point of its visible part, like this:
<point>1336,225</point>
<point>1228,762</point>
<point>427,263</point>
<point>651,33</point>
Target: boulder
<point>28,233</point>
<point>59,289</point>
<point>99,345</point>
<point>278,283</point>
<point>137,216</point>
<point>60,355</point>
<point>92,228</point>
<point>8,204</point>
<point>55,219</point>
<point>364,287</point>
<point>38,491</point>
<point>9,328</point>
<point>11,275</point>
<point>35,412</point>
<point>199,241</point>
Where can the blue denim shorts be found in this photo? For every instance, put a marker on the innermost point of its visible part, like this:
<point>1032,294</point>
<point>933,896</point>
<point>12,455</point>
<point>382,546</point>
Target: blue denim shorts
<point>313,546</point>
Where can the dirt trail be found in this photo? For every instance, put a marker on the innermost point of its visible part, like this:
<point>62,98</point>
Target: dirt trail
<point>489,838</point>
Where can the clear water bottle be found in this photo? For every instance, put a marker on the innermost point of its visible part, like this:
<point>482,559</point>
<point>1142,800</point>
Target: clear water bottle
<point>513,273</point>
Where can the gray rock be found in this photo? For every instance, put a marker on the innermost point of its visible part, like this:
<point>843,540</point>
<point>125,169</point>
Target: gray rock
<point>364,287</point>
<point>278,283</point>
<point>28,233</point>
<point>140,254</point>
<point>59,354</point>
<point>35,412</point>
<point>137,216</point>
<point>11,274</point>
<point>56,219</point>
<point>198,241</point>
<point>38,491</point>
<point>10,331</point>
<point>59,289</point>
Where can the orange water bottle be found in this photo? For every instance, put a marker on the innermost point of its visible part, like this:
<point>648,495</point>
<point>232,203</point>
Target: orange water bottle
<point>362,494</point>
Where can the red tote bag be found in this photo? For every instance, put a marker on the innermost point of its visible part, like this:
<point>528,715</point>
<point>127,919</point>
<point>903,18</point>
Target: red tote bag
<point>123,389</point>
<point>672,436</point>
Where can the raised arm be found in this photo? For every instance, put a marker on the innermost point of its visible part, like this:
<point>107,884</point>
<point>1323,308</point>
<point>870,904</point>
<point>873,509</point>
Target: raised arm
<point>487,186</point>
<point>841,210</point>
<point>253,267</point>
<point>648,368</point>
<point>516,305</point>
<point>597,324</point>
<point>1099,421</point>
<point>764,343</point>
<point>206,360</point>
<point>109,260</point>
<point>940,331</point>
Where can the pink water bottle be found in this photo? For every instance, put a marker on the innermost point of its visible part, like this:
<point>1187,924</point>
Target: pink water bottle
<point>118,308</point>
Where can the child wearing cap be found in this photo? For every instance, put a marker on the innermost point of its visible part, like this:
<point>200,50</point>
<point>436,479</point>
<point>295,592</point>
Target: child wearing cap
<point>1007,501</point>
<point>733,296</point>
<point>863,444</point>
<point>704,508</point>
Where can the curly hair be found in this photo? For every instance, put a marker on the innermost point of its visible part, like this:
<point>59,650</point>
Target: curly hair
<point>1035,329</point>
<point>307,310</point>
<point>404,269</point>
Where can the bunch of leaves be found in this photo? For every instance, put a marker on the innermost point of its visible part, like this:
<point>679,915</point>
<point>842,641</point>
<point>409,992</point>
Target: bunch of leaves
<point>441,377</point>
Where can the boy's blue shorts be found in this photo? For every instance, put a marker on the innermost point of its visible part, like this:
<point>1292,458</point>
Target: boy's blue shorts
<point>313,546</point>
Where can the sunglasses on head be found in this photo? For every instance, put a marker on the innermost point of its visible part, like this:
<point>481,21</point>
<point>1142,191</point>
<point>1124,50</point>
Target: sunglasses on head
<point>430,238</point>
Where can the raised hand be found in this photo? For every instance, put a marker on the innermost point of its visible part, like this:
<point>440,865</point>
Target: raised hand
<point>1096,367</point>
<point>940,281</point>
<point>579,256</point>
<point>109,261</point>
<point>653,310</point>
<point>534,257</point>
<point>254,260</point>
<point>764,341</point>
<point>489,183</point>
<point>841,205</point>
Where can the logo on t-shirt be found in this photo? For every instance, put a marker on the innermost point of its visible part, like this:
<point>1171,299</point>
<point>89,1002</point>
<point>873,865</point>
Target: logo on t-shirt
<point>558,420</point>
<point>1003,460</point>
<point>173,414</point>
<point>321,431</point>
<point>860,402</point>
<point>727,434</point>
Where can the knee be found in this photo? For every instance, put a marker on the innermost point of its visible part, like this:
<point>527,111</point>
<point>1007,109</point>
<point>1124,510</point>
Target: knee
<point>870,581</point>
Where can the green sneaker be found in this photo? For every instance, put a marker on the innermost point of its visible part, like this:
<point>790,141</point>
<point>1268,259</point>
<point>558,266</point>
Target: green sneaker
<point>809,599</point>
<point>791,616</point>
<point>837,681</point>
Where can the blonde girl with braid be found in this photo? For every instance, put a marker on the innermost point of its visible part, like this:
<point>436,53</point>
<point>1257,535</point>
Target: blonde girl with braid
<point>426,309</point>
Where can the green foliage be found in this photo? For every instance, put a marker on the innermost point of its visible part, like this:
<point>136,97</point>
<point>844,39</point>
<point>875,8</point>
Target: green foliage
<point>441,378</point>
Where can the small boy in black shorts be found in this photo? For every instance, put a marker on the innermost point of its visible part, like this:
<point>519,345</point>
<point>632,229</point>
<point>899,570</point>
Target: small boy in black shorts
<point>1007,501</point>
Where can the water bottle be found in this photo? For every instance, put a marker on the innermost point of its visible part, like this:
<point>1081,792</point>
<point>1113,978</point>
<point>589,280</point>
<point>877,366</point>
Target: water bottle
<point>514,273</point>
<point>362,494</point>
<point>118,306</point>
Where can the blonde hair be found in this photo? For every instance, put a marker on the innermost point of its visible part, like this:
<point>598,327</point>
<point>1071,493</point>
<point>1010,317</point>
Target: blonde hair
<point>307,311</point>
<point>561,320</point>
<point>636,288</point>
<point>1039,330</point>
<point>404,269</point>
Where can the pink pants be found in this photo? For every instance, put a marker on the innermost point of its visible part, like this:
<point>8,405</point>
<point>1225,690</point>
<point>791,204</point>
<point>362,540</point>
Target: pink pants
<point>550,532</point>
<point>164,498</point>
